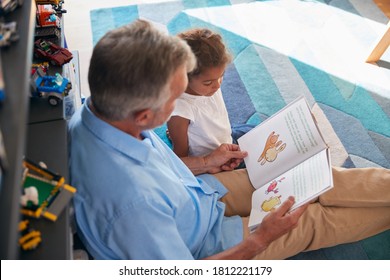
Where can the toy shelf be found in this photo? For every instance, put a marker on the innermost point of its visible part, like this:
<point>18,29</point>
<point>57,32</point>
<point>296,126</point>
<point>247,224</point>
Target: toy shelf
<point>16,64</point>
<point>32,128</point>
<point>47,142</point>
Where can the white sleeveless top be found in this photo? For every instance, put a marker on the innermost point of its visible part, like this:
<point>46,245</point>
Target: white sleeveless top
<point>209,122</point>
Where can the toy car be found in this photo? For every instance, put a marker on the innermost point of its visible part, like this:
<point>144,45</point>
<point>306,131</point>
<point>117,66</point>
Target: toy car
<point>51,52</point>
<point>8,33</point>
<point>44,66</point>
<point>52,87</point>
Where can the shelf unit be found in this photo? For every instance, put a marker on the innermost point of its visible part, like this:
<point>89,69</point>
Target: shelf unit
<point>16,63</point>
<point>31,128</point>
<point>47,142</point>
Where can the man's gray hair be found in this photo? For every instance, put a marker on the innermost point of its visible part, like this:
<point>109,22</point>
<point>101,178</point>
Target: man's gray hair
<point>131,67</point>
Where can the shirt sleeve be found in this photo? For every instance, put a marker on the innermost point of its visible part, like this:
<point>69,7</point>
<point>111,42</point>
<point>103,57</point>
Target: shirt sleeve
<point>138,234</point>
<point>183,109</point>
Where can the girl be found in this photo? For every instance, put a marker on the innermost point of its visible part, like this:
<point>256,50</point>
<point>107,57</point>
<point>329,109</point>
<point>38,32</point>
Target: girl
<point>200,123</point>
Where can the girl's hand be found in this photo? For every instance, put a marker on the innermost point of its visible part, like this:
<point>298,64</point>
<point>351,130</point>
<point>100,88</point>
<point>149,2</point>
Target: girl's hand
<point>226,157</point>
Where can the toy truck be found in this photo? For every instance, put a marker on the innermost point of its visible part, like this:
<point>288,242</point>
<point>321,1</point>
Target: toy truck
<point>54,88</point>
<point>57,4</point>
<point>47,23</point>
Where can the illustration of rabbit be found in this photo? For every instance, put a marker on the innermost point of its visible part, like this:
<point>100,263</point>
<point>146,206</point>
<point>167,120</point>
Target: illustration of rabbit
<point>271,149</point>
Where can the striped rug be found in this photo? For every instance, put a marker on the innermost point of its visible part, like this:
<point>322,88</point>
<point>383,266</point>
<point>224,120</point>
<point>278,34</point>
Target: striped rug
<point>283,49</point>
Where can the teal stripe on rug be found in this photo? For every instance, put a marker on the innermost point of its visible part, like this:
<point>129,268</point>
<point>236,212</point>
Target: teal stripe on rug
<point>359,105</point>
<point>161,13</point>
<point>191,4</point>
<point>179,23</point>
<point>235,43</point>
<point>381,240</point>
<point>103,20</point>
<point>261,87</point>
<point>279,66</point>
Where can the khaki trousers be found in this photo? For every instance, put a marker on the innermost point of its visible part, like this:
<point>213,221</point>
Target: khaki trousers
<point>356,208</point>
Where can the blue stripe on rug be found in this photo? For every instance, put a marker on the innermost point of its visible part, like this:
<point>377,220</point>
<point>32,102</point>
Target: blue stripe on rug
<point>236,97</point>
<point>354,136</point>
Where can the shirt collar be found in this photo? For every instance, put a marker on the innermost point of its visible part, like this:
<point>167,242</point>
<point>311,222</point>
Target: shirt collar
<point>117,139</point>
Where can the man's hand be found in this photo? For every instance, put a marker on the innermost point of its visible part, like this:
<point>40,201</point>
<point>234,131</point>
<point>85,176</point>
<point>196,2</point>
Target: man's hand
<point>226,157</point>
<point>274,225</point>
<point>277,223</point>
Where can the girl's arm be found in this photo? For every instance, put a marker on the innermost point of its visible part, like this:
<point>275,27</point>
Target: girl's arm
<point>225,157</point>
<point>178,133</point>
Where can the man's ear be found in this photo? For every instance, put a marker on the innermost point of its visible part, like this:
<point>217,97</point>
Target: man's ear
<point>143,117</point>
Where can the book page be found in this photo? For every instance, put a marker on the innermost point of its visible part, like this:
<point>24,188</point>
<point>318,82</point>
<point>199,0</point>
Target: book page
<point>305,182</point>
<point>281,142</point>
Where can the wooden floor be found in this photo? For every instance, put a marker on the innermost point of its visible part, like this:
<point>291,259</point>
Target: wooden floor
<point>384,5</point>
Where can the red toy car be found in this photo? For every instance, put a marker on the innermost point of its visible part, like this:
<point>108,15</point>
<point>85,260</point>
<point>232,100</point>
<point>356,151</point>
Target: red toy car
<point>51,52</point>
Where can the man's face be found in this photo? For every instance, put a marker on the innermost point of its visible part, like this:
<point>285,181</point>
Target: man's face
<point>177,86</point>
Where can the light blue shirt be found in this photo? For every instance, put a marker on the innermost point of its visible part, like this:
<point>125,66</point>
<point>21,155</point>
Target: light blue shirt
<point>137,200</point>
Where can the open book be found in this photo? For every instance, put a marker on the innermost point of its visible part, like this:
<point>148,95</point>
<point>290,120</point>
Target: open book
<point>287,156</point>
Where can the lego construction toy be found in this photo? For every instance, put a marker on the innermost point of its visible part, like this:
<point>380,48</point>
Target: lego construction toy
<point>44,192</point>
<point>29,238</point>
